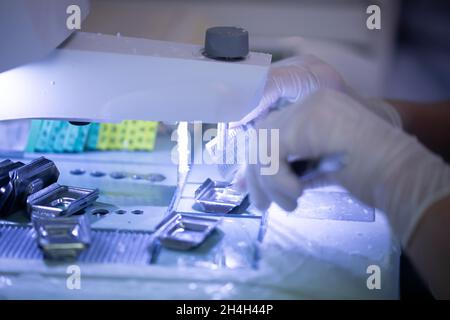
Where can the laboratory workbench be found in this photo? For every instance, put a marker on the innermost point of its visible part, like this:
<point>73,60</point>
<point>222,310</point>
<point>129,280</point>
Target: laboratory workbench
<point>327,248</point>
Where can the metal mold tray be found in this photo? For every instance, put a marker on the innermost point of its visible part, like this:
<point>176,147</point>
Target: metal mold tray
<point>218,197</point>
<point>32,177</point>
<point>62,238</point>
<point>17,181</point>
<point>57,200</point>
<point>184,232</point>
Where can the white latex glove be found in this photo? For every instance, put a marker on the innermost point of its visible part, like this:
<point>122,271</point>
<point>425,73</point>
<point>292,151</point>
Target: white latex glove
<point>386,168</point>
<point>293,79</point>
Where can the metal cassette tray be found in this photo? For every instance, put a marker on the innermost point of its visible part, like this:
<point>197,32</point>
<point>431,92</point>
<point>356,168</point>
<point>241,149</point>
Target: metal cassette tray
<point>184,232</point>
<point>57,200</point>
<point>218,197</point>
<point>62,238</point>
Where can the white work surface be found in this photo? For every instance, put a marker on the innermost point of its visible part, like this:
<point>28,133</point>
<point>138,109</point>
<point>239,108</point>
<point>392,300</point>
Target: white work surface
<point>301,258</point>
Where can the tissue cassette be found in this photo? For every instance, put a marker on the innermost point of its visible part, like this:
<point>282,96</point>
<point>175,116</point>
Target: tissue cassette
<point>184,232</point>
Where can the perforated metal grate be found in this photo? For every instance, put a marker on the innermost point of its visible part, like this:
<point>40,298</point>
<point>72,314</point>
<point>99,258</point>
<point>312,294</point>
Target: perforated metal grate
<point>130,247</point>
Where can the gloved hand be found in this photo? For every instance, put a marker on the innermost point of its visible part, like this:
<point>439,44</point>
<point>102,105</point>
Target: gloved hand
<point>386,168</point>
<point>293,79</point>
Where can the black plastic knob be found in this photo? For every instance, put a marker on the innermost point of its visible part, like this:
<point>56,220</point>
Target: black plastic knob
<point>228,43</point>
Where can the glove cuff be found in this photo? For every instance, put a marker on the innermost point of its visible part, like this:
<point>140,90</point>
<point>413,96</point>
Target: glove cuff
<point>420,213</point>
<point>415,181</point>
